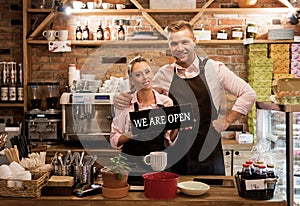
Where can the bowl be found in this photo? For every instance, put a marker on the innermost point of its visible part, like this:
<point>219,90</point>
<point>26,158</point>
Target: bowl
<point>193,188</point>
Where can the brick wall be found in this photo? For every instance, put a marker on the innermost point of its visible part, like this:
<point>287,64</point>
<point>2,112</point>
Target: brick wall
<point>46,65</point>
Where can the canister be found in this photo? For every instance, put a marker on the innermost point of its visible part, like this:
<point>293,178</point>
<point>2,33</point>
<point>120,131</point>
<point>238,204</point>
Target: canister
<point>236,33</point>
<point>222,34</point>
<point>251,31</point>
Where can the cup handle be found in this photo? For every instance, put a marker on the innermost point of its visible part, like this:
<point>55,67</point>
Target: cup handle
<point>56,34</point>
<point>44,34</point>
<point>83,5</point>
<point>147,160</point>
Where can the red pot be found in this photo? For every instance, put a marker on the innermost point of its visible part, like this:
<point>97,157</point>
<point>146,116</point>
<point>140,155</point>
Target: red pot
<point>160,185</point>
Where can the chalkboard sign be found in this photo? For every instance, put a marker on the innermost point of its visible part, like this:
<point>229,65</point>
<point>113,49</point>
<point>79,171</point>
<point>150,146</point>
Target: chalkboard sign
<point>160,119</point>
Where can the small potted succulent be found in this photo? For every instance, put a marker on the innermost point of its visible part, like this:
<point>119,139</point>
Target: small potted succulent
<point>115,176</point>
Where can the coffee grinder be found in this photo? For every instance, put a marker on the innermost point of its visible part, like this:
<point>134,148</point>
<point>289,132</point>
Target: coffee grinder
<point>43,119</point>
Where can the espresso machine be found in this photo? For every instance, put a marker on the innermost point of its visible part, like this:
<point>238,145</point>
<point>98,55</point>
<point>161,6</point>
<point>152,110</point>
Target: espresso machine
<point>87,117</point>
<point>44,117</point>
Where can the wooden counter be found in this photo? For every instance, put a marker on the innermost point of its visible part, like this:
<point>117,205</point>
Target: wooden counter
<point>217,195</point>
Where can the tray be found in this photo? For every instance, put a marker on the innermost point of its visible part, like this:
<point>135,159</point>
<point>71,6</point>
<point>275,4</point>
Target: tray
<point>29,188</point>
<point>265,194</point>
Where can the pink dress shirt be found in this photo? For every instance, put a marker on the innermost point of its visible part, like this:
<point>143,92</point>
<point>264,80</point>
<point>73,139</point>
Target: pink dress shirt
<point>219,79</point>
<point>121,123</point>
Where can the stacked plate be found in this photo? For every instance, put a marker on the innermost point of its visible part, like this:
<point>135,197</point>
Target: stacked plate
<point>281,34</point>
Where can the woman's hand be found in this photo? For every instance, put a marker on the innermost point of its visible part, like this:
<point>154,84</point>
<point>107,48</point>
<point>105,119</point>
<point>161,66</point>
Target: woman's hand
<point>122,101</point>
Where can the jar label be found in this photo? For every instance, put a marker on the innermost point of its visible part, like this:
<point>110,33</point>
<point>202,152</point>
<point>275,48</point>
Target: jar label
<point>238,34</point>
<point>221,35</point>
<point>252,29</point>
<point>4,93</point>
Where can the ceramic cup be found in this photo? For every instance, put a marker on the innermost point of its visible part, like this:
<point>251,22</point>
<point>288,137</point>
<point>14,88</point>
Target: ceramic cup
<point>90,5</point>
<point>157,160</point>
<point>78,5</point>
<point>107,6</point>
<point>120,6</point>
<point>50,34</point>
<point>5,172</point>
<point>62,35</point>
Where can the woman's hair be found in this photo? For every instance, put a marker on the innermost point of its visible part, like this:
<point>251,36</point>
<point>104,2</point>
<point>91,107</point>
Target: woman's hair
<point>134,61</point>
<point>179,25</point>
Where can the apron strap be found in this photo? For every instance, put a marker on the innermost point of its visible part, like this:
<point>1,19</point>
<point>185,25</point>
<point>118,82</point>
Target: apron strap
<point>136,107</point>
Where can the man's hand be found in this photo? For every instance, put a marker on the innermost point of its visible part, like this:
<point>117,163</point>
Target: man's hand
<point>220,124</point>
<point>122,100</point>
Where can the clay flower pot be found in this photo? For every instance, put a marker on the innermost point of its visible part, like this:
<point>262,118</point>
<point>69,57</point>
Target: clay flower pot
<point>115,192</point>
<point>113,180</point>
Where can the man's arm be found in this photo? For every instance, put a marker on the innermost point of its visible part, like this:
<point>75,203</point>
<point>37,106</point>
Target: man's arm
<point>221,124</point>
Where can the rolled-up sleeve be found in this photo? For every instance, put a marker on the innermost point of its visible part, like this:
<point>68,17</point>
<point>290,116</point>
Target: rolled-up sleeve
<point>118,127</point>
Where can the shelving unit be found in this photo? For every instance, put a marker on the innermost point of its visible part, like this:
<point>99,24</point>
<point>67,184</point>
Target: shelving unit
<point>29,35</point>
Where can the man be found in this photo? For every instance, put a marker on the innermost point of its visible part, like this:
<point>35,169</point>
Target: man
<point>200,82</point>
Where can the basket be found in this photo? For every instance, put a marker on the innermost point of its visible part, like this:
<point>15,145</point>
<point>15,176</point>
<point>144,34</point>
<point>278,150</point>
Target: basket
<point>265,194</point>
<point>29,188</point>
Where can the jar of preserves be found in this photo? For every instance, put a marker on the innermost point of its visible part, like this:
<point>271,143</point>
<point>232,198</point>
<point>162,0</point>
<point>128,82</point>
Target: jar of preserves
<point>251,31</point>
<point>222,34</point>
<point>236,33</point>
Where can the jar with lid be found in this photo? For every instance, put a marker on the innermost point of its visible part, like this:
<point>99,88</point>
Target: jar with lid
<point>246,171</point>
<point>222,34</point>
<point>236,33</point>
<point>251,31</point>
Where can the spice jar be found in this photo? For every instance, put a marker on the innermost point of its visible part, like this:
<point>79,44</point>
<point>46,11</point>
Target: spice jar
<point>251,31</point>
<point>222,34</point>
<point>236,33</point>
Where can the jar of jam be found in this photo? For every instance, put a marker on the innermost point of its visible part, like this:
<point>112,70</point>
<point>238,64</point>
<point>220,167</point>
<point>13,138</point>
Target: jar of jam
<point>251,31</point>
<point>222,34</point>
<point>236,33</point>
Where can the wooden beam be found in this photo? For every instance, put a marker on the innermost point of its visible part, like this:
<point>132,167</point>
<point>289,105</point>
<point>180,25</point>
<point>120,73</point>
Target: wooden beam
<point>42,25</point>
<point>199,14</point>
<point>149,18</point>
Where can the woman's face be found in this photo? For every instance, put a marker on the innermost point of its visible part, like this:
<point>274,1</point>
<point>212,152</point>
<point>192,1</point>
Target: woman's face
<point>141,76</point>
<point>181,44</point>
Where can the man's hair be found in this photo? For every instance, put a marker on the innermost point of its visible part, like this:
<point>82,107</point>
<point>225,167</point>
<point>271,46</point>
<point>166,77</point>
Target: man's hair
<point>179,25</point>
<point>135,60</point>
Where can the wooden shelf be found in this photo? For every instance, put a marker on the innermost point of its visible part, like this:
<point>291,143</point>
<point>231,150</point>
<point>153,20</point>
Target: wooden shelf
<point>11,105</point>
<point>280,10</point>
<point>136,42</point>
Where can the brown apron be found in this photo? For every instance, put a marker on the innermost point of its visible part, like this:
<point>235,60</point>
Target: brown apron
<point>200,148</point>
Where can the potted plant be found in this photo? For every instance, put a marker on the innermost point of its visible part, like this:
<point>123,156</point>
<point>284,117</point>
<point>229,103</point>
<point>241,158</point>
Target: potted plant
<point>115,176</point>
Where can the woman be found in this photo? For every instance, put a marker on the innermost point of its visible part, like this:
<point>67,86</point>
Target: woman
<point>140,76</point>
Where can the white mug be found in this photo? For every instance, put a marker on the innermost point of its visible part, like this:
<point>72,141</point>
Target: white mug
<point>157,160</point>
<point>50,34</point>
<point>120,6</point>
<point>62,35</point>
<point>78,5</point>
<point>107,6</point>
<point>90,5</point>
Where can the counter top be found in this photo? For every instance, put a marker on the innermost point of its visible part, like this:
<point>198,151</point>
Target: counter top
<point>217,195</point>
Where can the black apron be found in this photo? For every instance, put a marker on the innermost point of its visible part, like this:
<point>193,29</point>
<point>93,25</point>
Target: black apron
<point>191,143</point>
<point>135,150</point>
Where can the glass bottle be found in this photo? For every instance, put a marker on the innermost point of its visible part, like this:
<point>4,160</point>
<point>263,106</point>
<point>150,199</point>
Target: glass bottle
<point>20,85</point>
<point>12,88</point>
<point>4,85</point>
<point>246,171</point>
<point>270,171</point>
<point>106,32</point>
<point>262,172</point>
<point>121,31</point>
<point>99,33</point>
<point>113,32</point>
<point>78,31</point>
<point>85,31</point>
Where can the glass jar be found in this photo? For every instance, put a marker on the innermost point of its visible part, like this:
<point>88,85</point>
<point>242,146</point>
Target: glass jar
<point>251,31</point>
<point>236,33</point>
<point>222,34</point>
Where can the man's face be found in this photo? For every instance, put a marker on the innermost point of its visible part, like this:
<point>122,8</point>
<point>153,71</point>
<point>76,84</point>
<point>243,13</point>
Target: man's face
<point>182,45</point>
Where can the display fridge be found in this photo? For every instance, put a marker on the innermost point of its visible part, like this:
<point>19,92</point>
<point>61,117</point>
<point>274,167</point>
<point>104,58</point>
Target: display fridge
<point>278,127</point>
